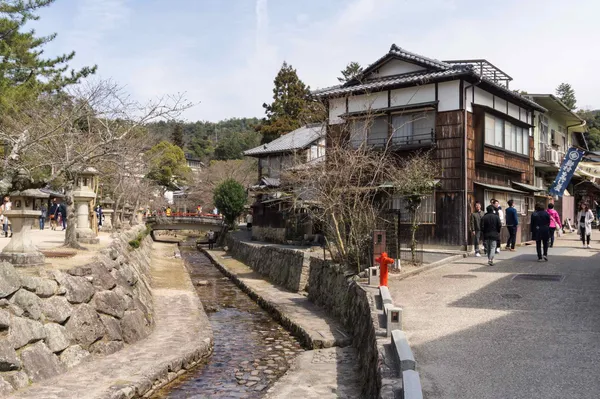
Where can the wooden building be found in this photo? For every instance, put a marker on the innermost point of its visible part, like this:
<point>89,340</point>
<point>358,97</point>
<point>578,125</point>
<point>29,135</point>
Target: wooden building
<point>480,131</point>
<point>273,220</point>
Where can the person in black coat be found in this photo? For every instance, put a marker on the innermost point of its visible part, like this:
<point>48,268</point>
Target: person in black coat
<point>540,231</point>
<point>490,227</point>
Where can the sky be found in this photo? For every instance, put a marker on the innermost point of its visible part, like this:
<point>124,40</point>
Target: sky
<point>224,54</point>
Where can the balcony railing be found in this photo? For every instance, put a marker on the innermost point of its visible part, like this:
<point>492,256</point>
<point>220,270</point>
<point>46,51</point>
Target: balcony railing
<point>397,142</point>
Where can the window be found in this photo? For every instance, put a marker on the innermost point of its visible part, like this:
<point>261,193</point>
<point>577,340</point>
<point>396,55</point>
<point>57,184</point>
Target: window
<point>358,132</point>
<point>503,197</point>
<point>378,132</point>
<point>425,214</point>
<point>503,134</point>
<point>543,122</point>
<point>411,129</point>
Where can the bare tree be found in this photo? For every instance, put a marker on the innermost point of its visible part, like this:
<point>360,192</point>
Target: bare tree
<point>89,125</point>
<point>349,193</point>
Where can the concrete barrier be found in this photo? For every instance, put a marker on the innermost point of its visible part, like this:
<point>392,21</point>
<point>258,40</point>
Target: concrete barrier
<point>373,275</point>
<point>404,355</point>
<point>393,315</point>
<point>411,385</point>
<point>386,297</point>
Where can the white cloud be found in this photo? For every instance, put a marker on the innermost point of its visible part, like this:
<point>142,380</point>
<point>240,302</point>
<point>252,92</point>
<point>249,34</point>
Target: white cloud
<point>539,43</point>
<point>94,19</point>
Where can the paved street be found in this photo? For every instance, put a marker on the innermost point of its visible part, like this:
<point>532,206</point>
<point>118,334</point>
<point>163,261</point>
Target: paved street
<point>477,333</point>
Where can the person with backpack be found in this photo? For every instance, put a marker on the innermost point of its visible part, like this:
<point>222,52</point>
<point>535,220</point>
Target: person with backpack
<point>540,230</point>
<point>490,227</point>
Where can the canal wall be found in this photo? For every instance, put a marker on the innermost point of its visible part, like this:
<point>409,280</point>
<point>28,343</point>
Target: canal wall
<point>354,306</point>
<point>285,267</point>
<point>53,320</point>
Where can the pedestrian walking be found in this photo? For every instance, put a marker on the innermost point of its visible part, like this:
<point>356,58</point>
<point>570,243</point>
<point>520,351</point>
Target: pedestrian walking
<point>554,223</point>
<point>6,206</point>
<point>99,216</point>
<point>53,213</point>
<point>211,238</point>
<point>512,224</point>
<point>490,227</point>
<point>43,216</point>
<point>585,217</point>
<point>62,211</point>
<point>475,226</point>
<point>498,211</point>
<point>249,222</point>
<point>540,229</point>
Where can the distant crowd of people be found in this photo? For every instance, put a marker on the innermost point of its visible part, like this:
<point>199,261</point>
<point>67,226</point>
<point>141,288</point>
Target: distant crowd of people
<point>545,224</point>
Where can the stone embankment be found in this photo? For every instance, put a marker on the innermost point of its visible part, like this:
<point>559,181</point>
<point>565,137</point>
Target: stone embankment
<point>339,299</point>
<point>52,320</point>
<point>285,267</point>
<point>180,340</point>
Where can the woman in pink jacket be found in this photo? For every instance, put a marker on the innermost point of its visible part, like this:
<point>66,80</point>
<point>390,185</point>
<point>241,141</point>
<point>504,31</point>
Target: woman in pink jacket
<point>554,222</point>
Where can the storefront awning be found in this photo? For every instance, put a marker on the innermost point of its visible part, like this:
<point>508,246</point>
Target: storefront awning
<point>500,188</point>
<point>527,187</point>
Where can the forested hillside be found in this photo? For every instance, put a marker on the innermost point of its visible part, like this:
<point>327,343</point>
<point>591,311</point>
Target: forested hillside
<point>222,140</point>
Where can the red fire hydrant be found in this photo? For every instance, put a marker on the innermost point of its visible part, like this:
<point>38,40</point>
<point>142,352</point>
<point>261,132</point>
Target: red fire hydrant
<point>384,261</point>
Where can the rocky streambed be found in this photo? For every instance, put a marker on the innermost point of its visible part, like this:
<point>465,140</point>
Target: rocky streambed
<point>250,349</point>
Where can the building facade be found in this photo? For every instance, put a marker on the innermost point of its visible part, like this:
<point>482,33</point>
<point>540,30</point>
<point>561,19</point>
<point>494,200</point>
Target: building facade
<point>479,131</point>
<point>274,218</point>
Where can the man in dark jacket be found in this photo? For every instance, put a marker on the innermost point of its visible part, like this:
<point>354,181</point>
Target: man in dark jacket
<point>512,221</point>
<point>540,230</point>
<point>475,225</point>
<point>490,227</point>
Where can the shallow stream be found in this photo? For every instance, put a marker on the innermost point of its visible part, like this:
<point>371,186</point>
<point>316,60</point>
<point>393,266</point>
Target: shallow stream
<point>251,350</point>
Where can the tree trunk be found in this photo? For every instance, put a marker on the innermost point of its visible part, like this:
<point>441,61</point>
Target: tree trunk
<point>134,220</point>
<point>71,232</point>
<point>116,220</point>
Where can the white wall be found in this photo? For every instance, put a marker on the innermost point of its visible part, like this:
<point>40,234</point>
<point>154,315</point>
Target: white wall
<point>412,95</point>
<point>500,105</point>
<point>513,110</point>
<point>468,96</point>
<point>369,101</point>
<point>482,97</point>
<point>449,96</point>
<point>395,67</point>
<point>337,107</point>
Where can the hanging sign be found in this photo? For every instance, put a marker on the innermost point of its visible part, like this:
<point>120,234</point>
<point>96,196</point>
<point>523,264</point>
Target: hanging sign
<point>565,173</point>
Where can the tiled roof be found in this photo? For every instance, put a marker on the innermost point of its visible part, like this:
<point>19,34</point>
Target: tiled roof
<point>407,55</point>
<point>295,140</point>
<point>436,70</point>
<point>421,77</point>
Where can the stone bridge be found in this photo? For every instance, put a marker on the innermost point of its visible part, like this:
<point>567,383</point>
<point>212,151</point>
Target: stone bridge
<point>185,222</point>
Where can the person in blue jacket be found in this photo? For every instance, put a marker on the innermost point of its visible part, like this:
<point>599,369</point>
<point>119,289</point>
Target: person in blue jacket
<point>512,222</point>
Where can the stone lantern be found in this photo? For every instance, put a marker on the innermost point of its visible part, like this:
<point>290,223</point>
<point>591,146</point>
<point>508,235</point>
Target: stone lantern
<point>83,195</point>
<point>20,250</point>
<point>108,211</point>
<point>127,212</point>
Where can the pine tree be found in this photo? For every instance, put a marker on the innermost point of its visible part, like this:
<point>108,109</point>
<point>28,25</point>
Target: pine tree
<point>291,108</point>
<point>24,73</point>
<point>566,94</point>
<point>351,71</point>
<point>178,136</point>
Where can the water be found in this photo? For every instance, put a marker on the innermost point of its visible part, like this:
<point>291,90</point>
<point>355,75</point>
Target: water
<point>250,349</point>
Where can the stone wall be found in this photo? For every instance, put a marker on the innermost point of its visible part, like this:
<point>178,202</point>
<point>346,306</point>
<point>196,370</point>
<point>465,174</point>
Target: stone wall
<point>268,234</point>
<point>353,305</point>
<point>285,267</point>
<point>52,320</point>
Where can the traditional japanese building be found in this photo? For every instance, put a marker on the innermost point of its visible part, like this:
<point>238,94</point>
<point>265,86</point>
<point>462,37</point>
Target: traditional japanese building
<point>479,130</point>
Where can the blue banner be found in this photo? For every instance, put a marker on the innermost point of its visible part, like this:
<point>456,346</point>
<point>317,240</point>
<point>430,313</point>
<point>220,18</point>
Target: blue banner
<point>565,173</point>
